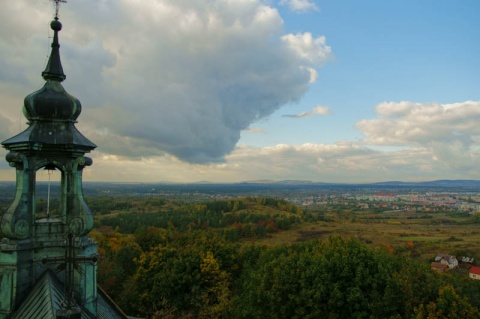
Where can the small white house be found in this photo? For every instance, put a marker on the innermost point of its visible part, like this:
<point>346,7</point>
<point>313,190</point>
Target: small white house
<point>449,260</point>
<point>467,260</point>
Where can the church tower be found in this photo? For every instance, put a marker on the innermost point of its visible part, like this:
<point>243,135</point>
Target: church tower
<point>46,259</point>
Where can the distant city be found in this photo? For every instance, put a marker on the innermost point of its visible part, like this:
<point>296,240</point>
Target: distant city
<point>444,195</point>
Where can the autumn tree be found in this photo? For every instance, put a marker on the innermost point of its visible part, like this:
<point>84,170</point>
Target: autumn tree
<point>191,274</point>
<point>334,279</point>
<point>449,305</point>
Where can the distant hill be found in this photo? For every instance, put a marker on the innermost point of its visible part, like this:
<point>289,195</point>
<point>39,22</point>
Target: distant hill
<point>437,183</point>
<point>272,188</point>
<point>268,181</point>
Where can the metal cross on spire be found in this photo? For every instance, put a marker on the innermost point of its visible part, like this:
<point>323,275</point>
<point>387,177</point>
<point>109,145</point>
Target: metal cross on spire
<point>57,6</point>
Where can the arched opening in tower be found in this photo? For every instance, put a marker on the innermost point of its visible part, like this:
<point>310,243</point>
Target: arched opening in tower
<point>48,193</point>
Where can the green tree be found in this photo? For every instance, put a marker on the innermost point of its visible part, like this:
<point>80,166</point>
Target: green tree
<point>189,274</point>
<point>214,300</point>
<point>449,305</point>
<point>334,279</point>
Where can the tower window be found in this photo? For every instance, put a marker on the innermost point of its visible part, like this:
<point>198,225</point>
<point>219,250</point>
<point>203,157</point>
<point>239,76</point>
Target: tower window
<point>47,193</point>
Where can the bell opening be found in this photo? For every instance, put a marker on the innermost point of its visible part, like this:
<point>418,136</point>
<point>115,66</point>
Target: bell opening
<point>47,194</point>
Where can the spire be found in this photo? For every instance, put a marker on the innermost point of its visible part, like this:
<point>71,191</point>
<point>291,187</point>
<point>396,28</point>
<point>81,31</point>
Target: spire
<point>54,70</point>
<point>50,108</point>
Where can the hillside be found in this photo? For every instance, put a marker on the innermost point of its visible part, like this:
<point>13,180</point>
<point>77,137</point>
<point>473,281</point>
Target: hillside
<point>266,258</point>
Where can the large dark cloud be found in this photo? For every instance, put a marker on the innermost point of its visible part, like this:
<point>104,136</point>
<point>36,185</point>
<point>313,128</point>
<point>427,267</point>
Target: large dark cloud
<point>183,77</point>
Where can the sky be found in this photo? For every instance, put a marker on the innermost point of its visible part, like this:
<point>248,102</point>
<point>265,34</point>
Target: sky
<point>342,91</point>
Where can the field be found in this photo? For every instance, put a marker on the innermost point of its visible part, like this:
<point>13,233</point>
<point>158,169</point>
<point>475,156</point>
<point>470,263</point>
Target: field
<point>416,234</point>
<point>403,232</point>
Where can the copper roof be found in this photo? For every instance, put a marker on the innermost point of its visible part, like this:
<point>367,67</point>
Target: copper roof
<point>46,298</point>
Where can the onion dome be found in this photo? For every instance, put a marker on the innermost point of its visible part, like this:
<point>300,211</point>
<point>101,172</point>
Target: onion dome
<point>52,102</point>
<point>51,112</point>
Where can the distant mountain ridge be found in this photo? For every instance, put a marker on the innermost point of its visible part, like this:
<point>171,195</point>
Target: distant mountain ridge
<point>435,183</point>
<point>287,181</point>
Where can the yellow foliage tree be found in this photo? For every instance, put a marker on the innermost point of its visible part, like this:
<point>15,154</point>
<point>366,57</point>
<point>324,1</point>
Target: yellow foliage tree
<point>449,305</point>
<point>215,300</point>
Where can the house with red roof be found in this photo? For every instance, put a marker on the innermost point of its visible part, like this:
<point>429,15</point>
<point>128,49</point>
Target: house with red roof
<point>450,261</point>
<point>438,266</point>
<point>474,273</point>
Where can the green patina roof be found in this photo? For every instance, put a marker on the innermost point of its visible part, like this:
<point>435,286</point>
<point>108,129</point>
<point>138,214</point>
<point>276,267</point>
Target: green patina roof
<point>46,298</point>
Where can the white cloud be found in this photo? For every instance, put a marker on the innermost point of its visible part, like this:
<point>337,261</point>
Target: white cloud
<point>450,132</point>
<point>255,130</point>
<point>348,162</point>
<point>312,51</point>
<point>181,77</point>
<point>342,162</point>
<point>317,110</point>
<point>165,82</point>
<point>300,5</point>
<point>408,123</point>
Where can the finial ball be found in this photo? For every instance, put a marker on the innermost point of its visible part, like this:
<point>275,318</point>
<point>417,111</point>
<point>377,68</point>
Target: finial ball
<point>56,25</point>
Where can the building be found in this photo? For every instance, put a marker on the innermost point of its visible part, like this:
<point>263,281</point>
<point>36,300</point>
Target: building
<point>450,261</point>
<point>438,266</point>
<point>474,273</point>
<point>48,265</point>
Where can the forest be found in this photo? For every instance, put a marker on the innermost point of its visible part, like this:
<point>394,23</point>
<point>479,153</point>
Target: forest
<point>222,259</point>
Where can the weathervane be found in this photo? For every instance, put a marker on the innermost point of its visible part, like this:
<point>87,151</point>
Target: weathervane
<point>57,6</point>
